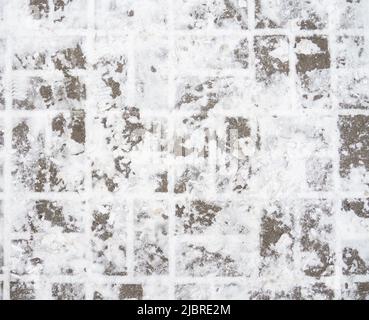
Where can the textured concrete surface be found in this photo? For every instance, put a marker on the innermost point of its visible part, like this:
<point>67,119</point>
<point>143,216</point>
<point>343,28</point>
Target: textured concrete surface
<point>184,149</point>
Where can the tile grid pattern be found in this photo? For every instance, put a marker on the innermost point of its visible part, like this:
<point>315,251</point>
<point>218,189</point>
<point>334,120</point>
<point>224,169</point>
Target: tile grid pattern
<point>173,279</point>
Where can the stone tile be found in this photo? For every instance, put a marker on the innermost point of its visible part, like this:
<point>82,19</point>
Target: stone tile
<point>295,155</point>
<point>218,14</point>
<point>220,258</point>
<point>190,14</point>
<point>277,240</point>
<point>192,291</point>
<point>109,238</point>
<point>318,253</point>
<point>231,291</point>
<point>272,58</point>
<point>151,238</point>
<point>44,216</point>
<point>352,51</point>
<point>37,163</point>
<point>64,54</point>
<point>355,290</point>
<point>118,292</point>
<point>214,217</point>
<point>131,291</point>
<point>37,93</point>
<point>202,96</point>
<point>349,14</point>
<point>355,257</point>
<point>111,80</point>
<point>118,15</point>
<point>42,13</point>
<point>123,137</point>
<point>351,89</point>
<point>305,15</point>
<point>211,53</point>
<point>20,290</point>
<point>354,153</point>
<point>315,291</point>
<point>313,71</point>
<point>68,291</point>
<point>48,254</point>
<point>152,68</point>
<point>238,146</point>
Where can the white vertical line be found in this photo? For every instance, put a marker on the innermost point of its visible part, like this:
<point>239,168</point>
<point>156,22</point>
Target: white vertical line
<point>209,27</point>
<point>170,151</point>
<point>251,11</point>
<point>130,237</point>
<point>212,161</point>
<point>251,34</point>
<point>7,166</point>
<point>89,112</point>
<point>298,206</point>
<point>335,147</point>
<point>51,12</point>
<point>258,207</point>
<point>292,70</point>
<point>213,290</point>
<point>131,100</point>
<point>131,68</point>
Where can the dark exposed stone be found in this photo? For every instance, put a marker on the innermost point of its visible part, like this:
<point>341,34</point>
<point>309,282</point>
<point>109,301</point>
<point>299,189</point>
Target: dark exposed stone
<point>268,65</point>
<point>354,151</point>
<point>316,61</point>
<point>22,290</point>
<point>68,291</point>
<point>357,206</point>
<point>131,291</point>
